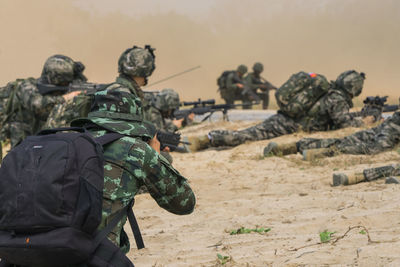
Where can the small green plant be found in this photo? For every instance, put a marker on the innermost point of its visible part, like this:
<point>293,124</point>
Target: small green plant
<point>243,230</point>
<point>363,232</point>
<point>325,236</point>
<point>223,259</point>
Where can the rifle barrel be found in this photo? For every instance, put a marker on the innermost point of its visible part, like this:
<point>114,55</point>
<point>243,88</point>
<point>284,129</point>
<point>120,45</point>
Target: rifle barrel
<point>172,76</point>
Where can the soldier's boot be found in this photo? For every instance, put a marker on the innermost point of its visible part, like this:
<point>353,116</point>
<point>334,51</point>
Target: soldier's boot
<point>198,143</point>
<point>344,179</point>
<point>273,149</point>
<point>318,153</point>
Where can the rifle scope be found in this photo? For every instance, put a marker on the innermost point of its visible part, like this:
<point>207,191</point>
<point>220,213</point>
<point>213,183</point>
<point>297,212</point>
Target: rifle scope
<point>200,102</point>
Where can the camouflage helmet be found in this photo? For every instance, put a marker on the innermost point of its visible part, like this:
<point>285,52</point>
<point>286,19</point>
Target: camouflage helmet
<point>58,70</point>
<point>118,111</point>
<point>167,100</point>
<point>137,62</point>
<point>242,69</point>
<point>258,67</point>
<point>351,82</point>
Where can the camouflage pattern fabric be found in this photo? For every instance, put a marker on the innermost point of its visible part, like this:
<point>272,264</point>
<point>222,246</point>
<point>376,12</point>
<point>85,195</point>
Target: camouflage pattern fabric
<point>154,115</point>
<point>297,95</point>
<point>118,108</point>
<point>351,81</point>
<point>253,80</point>
<point>62,114</point>
<point>232,91</point>
<point>330,112</point>
<point>370,141</point>
<point>28,110</point>
<point>274,126</point>
<point>137,62</point>
<point>58,70</point>
<point>130,164</point>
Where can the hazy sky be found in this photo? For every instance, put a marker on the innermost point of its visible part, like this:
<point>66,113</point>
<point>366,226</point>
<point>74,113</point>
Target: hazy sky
<point>323,36</point>
<point>197,9</point>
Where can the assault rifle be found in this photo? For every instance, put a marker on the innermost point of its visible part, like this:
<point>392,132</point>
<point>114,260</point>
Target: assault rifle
<point>373,106</point>
<point>247,90</point>
<point>171,140</point>
<point>380,101</point>
<point>89,88</point>
<point>268,86</point>
<point>201,110</point>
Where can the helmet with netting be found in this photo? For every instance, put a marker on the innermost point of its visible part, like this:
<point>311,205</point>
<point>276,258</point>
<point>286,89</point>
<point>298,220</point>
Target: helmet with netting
<point>137,62</point>
<point>351,81</point>
<point>58,70</point>
<point>167,100</point>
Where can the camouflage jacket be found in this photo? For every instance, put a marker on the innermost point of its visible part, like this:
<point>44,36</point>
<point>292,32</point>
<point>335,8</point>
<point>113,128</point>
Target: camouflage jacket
<point>62,114</point>
<point>253,81</point>
<point>28,110</point>
<point>130,164</point>
<point>330,112</point>
<point>153,115</point>
<point>231,80</point>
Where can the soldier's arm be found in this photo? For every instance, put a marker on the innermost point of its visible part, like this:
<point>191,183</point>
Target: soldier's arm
<point>339,111</point>
<point>166,185</point>
<point>252,83</point>
<point>37,103</point>
<point>231,84</point>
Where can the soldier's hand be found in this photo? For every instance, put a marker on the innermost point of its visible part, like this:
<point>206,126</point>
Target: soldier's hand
<point>155,144</point>
<point>191,117</point>
<point>368,120</point>
<point>239,85</point>
<point>178,123</point>
<point>71,95</point>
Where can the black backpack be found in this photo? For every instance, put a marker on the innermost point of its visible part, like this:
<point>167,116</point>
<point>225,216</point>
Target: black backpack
<point>51,193</point>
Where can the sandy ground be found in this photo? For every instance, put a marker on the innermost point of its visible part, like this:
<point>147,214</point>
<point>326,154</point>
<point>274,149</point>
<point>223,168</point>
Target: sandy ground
<point>238,187</point>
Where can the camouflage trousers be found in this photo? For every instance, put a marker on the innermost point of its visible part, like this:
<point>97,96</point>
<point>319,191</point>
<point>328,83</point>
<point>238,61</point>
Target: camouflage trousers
<point>274,126</point>
<point>370,141</point>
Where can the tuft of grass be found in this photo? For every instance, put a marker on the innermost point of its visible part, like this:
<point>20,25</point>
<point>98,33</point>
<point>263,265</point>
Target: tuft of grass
<point>325,236</point>
<point>363,232</point>
<point>223,259</point>
<point>243,230</point>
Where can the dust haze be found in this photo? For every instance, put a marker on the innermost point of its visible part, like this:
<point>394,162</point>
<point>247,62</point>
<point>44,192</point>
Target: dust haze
<point>323,36</point>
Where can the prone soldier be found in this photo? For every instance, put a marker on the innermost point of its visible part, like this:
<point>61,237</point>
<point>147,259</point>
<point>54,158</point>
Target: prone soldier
<point>330,111</point>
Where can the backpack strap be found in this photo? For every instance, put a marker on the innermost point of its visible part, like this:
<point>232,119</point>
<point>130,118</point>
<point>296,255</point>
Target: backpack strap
<point>108,138</point>
<point>132,221</point>
<point>135,229</point>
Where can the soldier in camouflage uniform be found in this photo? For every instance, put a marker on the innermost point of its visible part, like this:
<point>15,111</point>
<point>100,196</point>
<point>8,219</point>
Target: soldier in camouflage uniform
<point>160,111</point>
<point>63,114</point>
<point>256,82</point>
<point>27,108</point>
<point>330,112</point>
<point>370,141</point>
<point>134,160</point>
<point>233,85</point>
